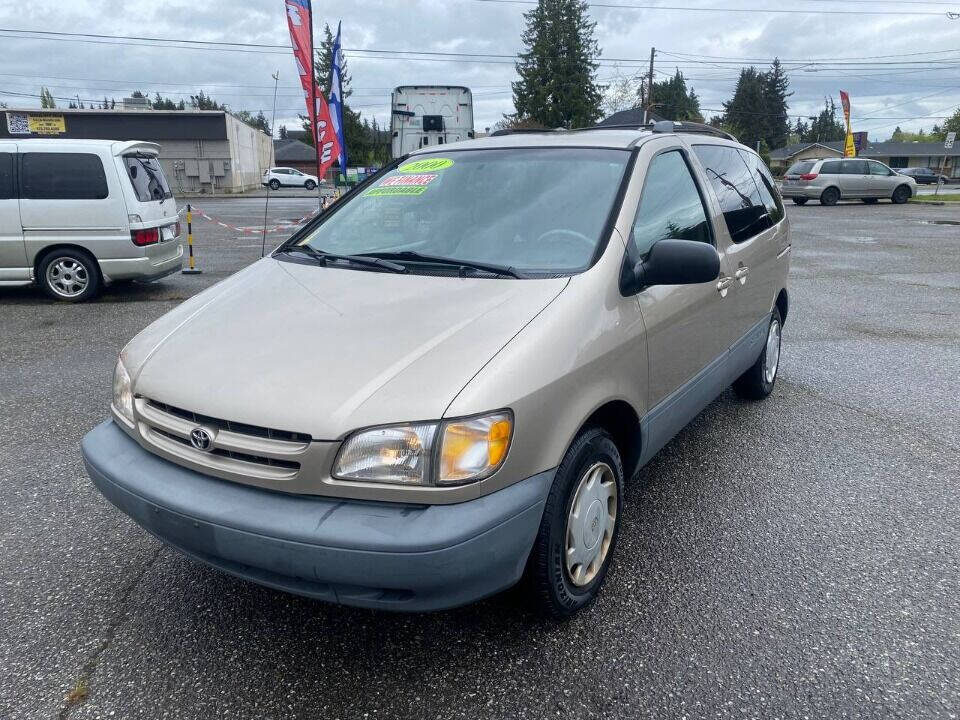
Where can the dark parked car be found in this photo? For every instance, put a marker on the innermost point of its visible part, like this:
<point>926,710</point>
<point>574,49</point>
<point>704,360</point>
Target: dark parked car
<point>924,176</point>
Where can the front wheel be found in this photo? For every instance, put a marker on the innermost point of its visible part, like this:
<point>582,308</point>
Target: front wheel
<point>799,201</point>
<point>830,196</point>
<point>901,195</point>
<point>578,531</point>
<point>757,382</point>
<point>274,184</point>
<point>310,185</point>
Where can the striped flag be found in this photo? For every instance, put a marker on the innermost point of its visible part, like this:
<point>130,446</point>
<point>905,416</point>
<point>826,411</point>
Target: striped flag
<point>336,99</point>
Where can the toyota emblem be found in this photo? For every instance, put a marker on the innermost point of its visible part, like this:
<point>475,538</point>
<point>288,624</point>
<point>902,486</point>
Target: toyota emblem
<point>201,439</point>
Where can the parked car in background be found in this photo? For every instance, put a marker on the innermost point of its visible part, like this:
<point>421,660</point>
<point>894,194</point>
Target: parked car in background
<point>288,177</point>
<point>78,214</point>
<point>831,180</point>
<point>441,385</point>
<point>924,176</point>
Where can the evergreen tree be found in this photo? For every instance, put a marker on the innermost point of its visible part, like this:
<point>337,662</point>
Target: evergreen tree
<point>744,112</point>
<point>672,100</point>
<point>826,127</point>
<point>557,85</point>
<point>776,92</point>
<point>46,98</point>
<point>205,102</point>
<point>283,132</point>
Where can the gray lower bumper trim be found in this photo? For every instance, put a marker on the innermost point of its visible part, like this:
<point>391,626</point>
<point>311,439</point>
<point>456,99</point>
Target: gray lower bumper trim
<point>379,555</point>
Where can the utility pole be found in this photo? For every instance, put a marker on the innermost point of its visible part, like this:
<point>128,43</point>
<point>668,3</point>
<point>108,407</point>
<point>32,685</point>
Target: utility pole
<point>649,110</point>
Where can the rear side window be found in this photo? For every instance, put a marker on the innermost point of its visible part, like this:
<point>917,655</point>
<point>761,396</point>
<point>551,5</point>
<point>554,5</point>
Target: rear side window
<point>766,186</point>
<point>732,181</point>
<point>671,207</point>
<point>147,177</point>
<point>63,176</point>
<point>854,167</point>
<point>830,167</point>
<point>878,169</point>
<point>800,168</point>
<point>6,176</point>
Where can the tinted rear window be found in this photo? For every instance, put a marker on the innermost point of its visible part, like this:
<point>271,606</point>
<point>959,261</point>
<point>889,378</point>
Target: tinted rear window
<point>63,176</point>
<point>147,177</point>
<point>732,181</point>
<point>800,168</point>
<point>831,167</point>
<point>6,176</point>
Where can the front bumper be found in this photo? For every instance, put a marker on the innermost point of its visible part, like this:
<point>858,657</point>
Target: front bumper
<point>378,555</point>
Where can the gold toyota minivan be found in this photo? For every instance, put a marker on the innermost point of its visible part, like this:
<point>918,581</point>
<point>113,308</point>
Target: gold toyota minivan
<point>440,386</point>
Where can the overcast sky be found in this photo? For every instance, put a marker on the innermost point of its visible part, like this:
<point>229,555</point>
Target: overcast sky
<point>242,79</point>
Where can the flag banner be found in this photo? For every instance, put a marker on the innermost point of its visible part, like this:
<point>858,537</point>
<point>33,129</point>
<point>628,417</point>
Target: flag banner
<point>336,100</point>
<point>849,147</point>
<point>300,22</point>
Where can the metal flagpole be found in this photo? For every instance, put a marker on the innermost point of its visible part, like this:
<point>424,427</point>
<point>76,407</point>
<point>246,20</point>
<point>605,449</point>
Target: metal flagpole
<point>313,101</point>
<point>273,129</point>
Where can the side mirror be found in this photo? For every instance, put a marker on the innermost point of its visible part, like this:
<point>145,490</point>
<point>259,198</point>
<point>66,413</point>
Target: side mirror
<point>672,262</point>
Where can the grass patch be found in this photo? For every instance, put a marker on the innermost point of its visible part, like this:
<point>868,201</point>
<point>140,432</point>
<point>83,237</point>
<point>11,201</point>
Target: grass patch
<point>78,694</point>
<point>942,197</point>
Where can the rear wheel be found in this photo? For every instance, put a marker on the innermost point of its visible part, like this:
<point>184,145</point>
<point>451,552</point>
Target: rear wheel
<point>870,201</point>
<point>310,185</point>
<point>901,195</point>
<point>830,196</point>
<point>69,275</point>
<point>274,184</point>
<point>799,201</point>
<point>757,382</point>
<point>578,532</point>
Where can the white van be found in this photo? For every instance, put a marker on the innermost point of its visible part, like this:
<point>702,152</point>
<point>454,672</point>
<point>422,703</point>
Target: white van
<point>78,214</point>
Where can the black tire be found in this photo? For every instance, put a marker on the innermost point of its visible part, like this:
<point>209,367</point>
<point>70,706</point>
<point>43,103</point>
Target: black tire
<point>310,185</point>
<point>753,384</point>
<point>799,201</point>
<point>274,184</point>
<point>869,201</point>
<point>830,196</point>
<point>901,195</point>
<point>547,577</point>
<point>69,275</point>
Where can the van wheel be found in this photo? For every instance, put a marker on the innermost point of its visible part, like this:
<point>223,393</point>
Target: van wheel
<point>757,382</point>
<point>799,201</point>
<point>274,184</point>
<point>69,275</point>
<point>901,195</point>
<point>310,185</point>
<point>830,196</point>
<point>578,532</point>
<point>869,201</point>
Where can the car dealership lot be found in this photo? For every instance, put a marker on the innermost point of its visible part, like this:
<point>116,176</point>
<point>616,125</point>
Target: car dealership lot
<point>792,558</point>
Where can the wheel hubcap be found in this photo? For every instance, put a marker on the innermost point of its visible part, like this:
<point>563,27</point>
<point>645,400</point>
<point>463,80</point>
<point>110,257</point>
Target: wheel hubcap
<point>772,356</point>
<point>590,523</point>
<point>67,277</point>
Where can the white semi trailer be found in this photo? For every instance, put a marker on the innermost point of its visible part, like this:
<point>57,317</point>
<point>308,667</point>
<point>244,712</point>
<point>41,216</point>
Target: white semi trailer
<point>429,115</point>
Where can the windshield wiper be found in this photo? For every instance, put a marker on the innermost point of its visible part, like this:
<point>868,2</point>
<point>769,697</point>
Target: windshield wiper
<point>325,256</point>
<point>437,260</point>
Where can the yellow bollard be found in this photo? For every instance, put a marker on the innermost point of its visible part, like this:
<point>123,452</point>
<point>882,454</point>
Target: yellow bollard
<point>191,269</point>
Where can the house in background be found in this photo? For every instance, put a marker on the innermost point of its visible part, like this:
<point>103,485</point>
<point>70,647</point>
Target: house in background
<point>296,154</point>
<point>897,155</point>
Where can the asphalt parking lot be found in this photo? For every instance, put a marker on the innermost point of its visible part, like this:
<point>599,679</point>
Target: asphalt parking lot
<point>794,558</point>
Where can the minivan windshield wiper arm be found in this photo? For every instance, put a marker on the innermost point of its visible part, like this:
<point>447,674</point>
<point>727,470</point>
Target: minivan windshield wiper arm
<point>366,260</point>
<point>438,260</point>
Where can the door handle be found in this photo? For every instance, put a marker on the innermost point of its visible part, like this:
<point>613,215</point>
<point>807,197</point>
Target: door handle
<point>741,275</point>
<point>723,286</point>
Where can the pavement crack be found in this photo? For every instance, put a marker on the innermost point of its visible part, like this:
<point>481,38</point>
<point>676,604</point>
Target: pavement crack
<point>80,691</point>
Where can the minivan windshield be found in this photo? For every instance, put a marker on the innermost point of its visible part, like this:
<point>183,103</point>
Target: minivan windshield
<point>147,177</point>
<point>528,209</point>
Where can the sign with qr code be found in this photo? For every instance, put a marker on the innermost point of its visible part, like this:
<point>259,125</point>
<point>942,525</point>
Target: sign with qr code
<point>35,124</point>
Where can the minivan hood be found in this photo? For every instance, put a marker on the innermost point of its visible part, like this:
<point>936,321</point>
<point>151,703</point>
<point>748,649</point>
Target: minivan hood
<point>325,351</point>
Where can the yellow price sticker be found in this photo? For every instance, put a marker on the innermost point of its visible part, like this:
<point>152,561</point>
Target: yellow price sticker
<point>426,165</point>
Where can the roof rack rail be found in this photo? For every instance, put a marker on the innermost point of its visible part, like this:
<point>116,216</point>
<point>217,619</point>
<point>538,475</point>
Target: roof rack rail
<point>671,126</point>
<point>519,131</point>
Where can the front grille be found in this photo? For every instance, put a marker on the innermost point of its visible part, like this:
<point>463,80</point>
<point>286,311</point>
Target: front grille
<point>236,427</point>
<point>237,451</point>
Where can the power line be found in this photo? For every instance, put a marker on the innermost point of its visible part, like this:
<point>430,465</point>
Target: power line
<point>778,11</point>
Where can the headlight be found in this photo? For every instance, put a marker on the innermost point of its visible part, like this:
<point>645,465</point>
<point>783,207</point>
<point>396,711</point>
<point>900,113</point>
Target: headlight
<point>451,452</point>
<point>122,392</point>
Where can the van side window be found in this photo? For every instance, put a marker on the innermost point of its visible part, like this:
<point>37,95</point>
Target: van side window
<point>853,167</point>
<point>878,169</point>
<point>732,181</point>
<point>766,186</point>
<point>63,176</point>
<point>6,176</point>
<point>670,208</point>
<point>830,167</point>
